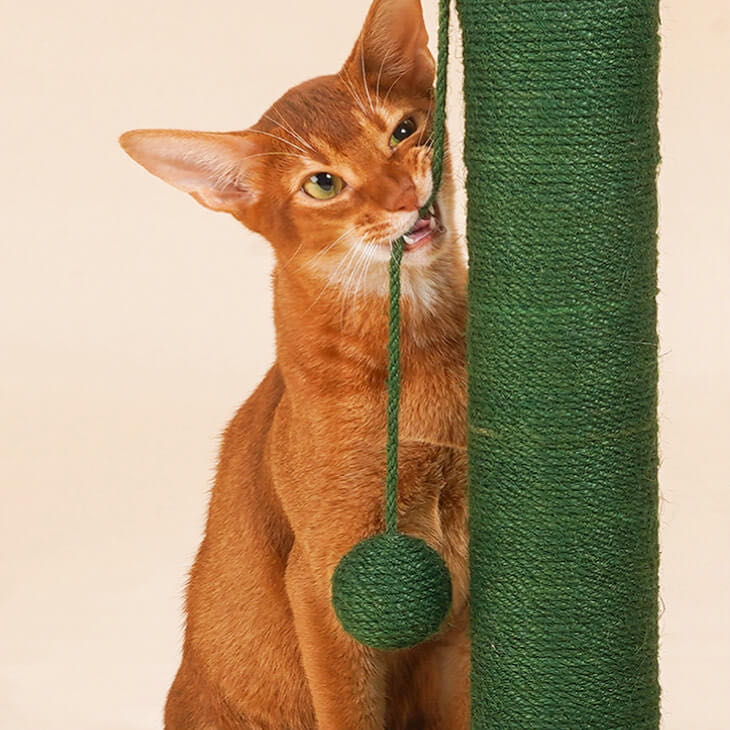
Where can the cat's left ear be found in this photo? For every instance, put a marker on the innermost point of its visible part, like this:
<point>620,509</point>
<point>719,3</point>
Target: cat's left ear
<point>393,46</point>
<point>214,167</point>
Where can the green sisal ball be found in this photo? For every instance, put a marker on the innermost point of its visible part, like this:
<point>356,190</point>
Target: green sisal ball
<point>391,591</point>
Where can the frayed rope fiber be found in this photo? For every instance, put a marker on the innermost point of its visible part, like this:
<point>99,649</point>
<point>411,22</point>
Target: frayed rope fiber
<point>561,149</point>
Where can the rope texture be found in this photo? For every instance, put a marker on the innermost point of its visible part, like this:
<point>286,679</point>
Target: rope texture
<point>403,599</point>
<point>561,148</point>
<point>391,473</point>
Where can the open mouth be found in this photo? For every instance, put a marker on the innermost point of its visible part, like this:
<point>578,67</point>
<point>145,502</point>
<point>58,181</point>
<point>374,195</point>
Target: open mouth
<point>424,230</point>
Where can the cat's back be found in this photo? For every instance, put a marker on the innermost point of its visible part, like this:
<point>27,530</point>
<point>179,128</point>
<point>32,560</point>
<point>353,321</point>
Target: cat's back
<point>252,422</point>
<point>247,537</point>
<point>246,534</point>
<point>242,487</point>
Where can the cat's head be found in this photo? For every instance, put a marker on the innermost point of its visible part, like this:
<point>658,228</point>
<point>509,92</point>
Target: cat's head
<point>335,169</point>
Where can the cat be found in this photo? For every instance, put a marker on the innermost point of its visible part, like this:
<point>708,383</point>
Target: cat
<point>332,173</point>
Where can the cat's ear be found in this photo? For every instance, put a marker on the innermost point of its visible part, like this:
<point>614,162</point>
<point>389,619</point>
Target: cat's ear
<point>214,167</point>
<point>393,46</point>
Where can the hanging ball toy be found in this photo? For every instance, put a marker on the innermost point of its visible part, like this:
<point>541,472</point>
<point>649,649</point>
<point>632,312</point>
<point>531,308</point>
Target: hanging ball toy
<point>391,591</point>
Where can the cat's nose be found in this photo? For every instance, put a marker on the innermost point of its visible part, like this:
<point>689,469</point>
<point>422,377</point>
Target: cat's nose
<point>398,193</point>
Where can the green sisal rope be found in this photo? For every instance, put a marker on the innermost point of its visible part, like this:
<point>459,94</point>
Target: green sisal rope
<point>561,149</point>
<point>391,446</point>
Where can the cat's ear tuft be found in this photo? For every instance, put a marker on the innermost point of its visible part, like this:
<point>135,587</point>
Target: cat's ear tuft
<point>213,167</point>
<point>393,46</point>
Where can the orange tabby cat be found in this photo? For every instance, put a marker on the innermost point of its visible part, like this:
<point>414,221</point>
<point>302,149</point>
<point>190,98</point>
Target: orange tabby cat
<point>333,172</point>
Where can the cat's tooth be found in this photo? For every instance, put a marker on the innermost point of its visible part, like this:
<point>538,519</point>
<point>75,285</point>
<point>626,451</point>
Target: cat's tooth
<point>408,239</point>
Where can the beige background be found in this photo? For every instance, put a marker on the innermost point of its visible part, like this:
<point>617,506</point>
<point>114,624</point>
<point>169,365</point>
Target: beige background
<point>133,322</point>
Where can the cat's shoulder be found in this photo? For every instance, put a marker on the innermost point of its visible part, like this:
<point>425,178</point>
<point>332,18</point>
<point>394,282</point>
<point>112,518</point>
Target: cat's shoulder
<point>253,418</point>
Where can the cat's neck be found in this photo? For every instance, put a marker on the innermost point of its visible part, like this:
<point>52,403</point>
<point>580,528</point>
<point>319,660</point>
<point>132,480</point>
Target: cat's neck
<point>322,326</point>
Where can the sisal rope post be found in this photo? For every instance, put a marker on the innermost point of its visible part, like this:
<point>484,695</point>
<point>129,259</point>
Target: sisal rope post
<point>561,148</point>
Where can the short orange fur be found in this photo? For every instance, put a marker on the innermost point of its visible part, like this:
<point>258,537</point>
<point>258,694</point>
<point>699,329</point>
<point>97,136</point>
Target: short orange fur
<point>301,471</point>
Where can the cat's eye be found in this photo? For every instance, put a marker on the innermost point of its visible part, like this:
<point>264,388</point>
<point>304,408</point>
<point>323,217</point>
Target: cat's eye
<point>323,185</point>
<point>404,130</point>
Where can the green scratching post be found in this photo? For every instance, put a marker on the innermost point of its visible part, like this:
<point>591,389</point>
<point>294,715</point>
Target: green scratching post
<point>561,149</point>
<point>393,591</point>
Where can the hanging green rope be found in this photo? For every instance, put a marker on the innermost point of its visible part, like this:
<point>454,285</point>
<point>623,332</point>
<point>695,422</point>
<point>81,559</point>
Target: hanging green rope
<point>392,590</point>
<point>561,149</point>
<point>391,447</point>
<point>437,169</point>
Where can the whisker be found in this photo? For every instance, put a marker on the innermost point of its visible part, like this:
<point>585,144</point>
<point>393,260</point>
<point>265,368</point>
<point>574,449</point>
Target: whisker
<point>331,278</point>
<point>368,265</point>
<point>348,291</point>
<point>358,261</point>
<point>425,126</point>
<point>398,78</point>
<point>283,154</point>
<point>371,250</point>
<point>364,77</point>
<point>351,254</point>
<point>380,74</point>
<point>362,269</point>
<point>288,128</point>
<point>329,246</point>
<point>351,88</point>
<point>281,139</point>
<point>293,256</point>
<point>356,96</point>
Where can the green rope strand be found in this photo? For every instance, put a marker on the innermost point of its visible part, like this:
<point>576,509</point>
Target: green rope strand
<point>439,117</point>
<point>396,257</point>
<point>391,481</point>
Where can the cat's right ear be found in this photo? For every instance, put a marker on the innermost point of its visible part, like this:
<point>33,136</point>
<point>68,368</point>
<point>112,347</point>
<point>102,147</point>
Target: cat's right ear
<point>393,46</point>
<point>214,167</point>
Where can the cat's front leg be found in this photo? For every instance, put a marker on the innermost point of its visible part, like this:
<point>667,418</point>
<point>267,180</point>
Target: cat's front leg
<point>346,679</point>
